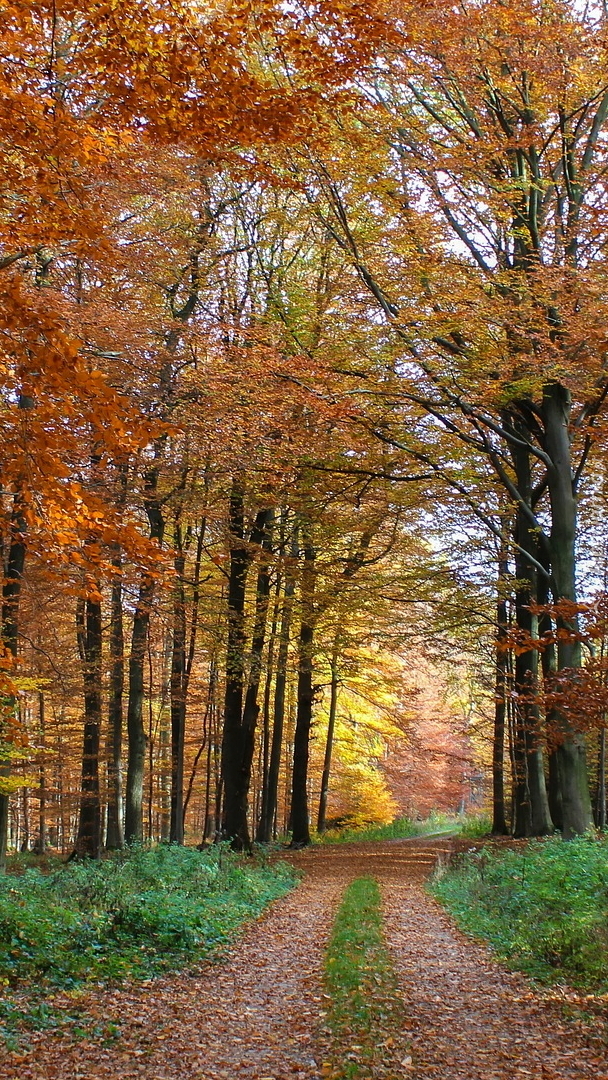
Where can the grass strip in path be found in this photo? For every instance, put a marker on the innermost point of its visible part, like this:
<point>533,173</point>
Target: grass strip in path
<point>365,1015</point>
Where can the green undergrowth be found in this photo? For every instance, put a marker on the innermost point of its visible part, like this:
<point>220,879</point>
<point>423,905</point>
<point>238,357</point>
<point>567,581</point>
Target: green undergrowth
<point>403,828</point>
<point>364,1008</point>
<point>543,908</point>
<point>133,916</point>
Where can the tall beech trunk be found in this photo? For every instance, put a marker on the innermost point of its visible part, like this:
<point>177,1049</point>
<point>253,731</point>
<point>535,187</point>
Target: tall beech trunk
<point>301,743</point>
<point>499,817</point>
<point>114,831</point>
<point>262,596</point>
<point>183,658</point>
<point>178,691</point>
<point>571,750</point>
<point>236,774</point>
<point>329,742</point>
<point>270,794</point>
<point>11,596</point>
<point>600,791</point>
<point>42,841</point>
<point>531,804</point>
<point>265,745</point>
<point>134,828</point>
<point>89,632</point>
<point>549,668</point>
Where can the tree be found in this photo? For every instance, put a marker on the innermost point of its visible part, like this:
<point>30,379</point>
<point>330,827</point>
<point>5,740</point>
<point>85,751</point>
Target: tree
<point>488,164</point>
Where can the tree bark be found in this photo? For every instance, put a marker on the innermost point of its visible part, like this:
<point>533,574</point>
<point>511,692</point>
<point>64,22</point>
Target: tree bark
<point>178,692</point>
<point>329,742</point>
<point>41,844</point>
<point>499,817</point>
<point>571,750</point>
<point>235,748</point>
<point>134,830</point>
<point>269,803</point>
<point>89,630</point>
<point>115,833</point>
<point>600,794</point>
<point>300,824</point>
<point>531,804</point>
<point>11,596</point>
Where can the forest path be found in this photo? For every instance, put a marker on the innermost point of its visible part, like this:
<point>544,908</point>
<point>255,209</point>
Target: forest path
<point>259,1014</point>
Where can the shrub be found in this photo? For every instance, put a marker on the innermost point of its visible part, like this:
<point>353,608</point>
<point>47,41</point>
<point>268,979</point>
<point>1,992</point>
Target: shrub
<point>544,908</point>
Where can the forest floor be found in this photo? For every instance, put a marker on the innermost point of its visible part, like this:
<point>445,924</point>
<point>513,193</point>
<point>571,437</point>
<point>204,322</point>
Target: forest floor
<point>259,1013</point>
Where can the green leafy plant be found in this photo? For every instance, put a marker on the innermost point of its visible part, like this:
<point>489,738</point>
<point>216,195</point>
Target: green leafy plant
<point>134,915</point>
<point>544,908</point>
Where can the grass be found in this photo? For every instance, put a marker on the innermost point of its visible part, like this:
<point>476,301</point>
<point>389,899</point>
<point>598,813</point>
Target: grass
<point>361,985</point>
<point>544,909</point>
<point>404,827</point>
<point>134,915</point>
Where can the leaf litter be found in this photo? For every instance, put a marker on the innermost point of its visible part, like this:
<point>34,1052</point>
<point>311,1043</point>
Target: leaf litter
<point>259,1013</point>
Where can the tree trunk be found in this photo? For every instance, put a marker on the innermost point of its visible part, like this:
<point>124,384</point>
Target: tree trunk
<point>600,795</point>
<point>178,692</point>
<point>89,630</point>
<point>42,841</point>
<point>266,729</point>
<point>11,596</point>
<point>235,747</point>
<point>134,830</point>
<point>499,818</point>
<point>531,804</point>
<point>114,833</point>
<point>329,742</point>
<point>571,751</point>
<point>269,803</point>
<point>251,707</point>
<point>301,744</point>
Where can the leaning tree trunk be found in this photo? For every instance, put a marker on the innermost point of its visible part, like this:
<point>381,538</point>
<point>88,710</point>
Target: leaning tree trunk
<point>89,623</point>
<point>301,743</point>
<point>571,750</point>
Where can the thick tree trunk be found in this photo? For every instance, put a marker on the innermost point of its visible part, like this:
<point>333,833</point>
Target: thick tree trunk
<point>266,728</point>
<point>89,623</point>
<point>134,830</point>
<point>178,693</point>
<point>41,843</point>
<point>114,832</point>
<point>499,818</point>
<point>300,824</point>
<point>571,750</point>
<point>269,803</point>
<point>235,813</point>
<point>11,596</point>
<point>531,804</point>
<point>329,742</point>
<point>600,793</point>
<point>262,595</point>
<point>236,765</point>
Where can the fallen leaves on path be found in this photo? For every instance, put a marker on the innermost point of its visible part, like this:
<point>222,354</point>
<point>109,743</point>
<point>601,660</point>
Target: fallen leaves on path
<point>259,1014</point>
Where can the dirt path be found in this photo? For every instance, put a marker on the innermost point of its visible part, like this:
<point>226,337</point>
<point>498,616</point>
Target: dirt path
<point>259,1016</point>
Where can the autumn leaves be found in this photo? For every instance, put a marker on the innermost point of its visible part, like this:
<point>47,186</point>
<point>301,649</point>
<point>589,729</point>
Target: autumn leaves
<point>343,267</point>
